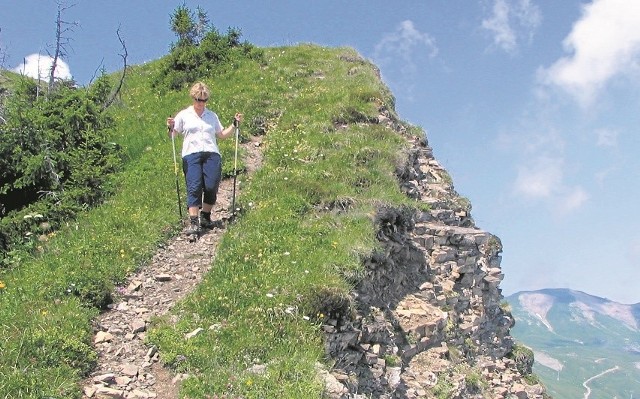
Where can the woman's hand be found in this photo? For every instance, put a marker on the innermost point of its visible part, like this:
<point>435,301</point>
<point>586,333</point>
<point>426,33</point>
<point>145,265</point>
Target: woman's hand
<point>170,125</point>
<point>237,119</point>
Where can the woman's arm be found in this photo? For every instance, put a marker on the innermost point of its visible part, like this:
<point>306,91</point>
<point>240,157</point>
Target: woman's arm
<point>231,128</point>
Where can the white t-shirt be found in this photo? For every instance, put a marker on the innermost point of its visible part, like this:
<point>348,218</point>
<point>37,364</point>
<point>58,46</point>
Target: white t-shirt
<point>199,131</point>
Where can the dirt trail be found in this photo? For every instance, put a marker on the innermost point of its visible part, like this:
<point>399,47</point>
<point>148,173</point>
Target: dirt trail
<point>127,368</point>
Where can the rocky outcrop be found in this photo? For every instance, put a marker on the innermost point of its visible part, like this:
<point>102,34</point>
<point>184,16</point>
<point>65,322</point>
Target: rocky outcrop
<point>429,321</point>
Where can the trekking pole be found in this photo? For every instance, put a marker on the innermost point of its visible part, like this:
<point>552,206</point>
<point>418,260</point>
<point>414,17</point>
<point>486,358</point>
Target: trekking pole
<point>175,168</point>
<point>235,169</point>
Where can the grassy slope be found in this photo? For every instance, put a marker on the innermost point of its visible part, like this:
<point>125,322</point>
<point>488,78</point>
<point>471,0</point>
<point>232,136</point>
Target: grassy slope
<point>287,254</point>
<point>285,258</point>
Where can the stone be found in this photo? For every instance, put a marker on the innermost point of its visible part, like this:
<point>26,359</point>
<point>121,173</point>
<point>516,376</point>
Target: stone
<point>102,336</point>
<point>129,370</point>
<point>108,393</point>
<point>134,286</point>
<point>393,376</point>
<point>258,369</point>
<point>122,380</point>
<point>194,333</point>
<point>443,255</point>
<point>107,379</point>
<point>163,277</point>
<point>89,391</point>
<point>519,391</point>
<point>140,394</point>
<point>138,326</point>
<point>334,389</point>
<point>151,353</point>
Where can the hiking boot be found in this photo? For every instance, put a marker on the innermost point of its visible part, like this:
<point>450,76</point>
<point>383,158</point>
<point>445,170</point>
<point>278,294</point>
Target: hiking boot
<point>207,223</point>
<point>193,229</point>
<point>205,220</point>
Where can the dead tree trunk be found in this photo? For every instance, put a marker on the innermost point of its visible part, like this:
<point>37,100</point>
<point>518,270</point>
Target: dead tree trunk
<point>60,48</point>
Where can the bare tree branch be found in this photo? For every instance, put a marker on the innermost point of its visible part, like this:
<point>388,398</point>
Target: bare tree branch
<point>98,69</point>
<point>62,41</point>
<point>124,55</point>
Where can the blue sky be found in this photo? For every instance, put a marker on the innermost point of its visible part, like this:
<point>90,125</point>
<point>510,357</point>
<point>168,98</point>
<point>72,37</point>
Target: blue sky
<point>532,106</point>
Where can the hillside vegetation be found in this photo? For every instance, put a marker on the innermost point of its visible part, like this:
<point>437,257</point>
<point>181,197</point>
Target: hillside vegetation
<point>284,266</point>
<point>280,271</point>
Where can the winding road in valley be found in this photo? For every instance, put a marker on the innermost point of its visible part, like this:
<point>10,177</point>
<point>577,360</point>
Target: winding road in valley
<point>586,386</point>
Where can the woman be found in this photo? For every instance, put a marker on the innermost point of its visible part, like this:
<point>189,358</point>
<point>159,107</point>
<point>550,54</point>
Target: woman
<point>201,160</point>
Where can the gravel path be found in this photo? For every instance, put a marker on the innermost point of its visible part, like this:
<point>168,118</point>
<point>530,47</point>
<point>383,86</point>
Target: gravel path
<point>127,368</point>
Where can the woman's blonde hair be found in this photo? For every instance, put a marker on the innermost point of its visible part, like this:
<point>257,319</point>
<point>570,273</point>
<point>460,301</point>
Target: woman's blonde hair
<point>199,91</point>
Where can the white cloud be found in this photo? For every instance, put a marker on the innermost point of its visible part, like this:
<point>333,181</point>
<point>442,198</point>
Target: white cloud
<point>38,66</point>
<point>542,173</point>
<point>603,44</point>
<point>571,200</point>
<point>503,35</point>
<point>510,21</point>
<point>606,138</point>
<point>405,43</point>
<point>539,178</point>
<point>543,180</point>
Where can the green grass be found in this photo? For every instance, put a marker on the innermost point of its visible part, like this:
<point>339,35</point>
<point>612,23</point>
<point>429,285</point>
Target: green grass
<point>263,288</point>
<point>285,265</point>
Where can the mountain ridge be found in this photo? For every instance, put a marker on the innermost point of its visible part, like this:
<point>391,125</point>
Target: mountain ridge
<point>574,292</point>
<point>539,300</point>
<point>407,306</point>
<point>582,344</point>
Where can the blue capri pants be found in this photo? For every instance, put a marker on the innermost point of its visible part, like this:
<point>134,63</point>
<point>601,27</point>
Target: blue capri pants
<point>202,172</point>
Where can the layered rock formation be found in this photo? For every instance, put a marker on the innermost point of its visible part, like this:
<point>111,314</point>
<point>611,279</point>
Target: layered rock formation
<point>429,320</point>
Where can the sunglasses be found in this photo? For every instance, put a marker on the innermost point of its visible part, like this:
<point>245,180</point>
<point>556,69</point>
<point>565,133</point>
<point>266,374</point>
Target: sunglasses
<point>202,100</point>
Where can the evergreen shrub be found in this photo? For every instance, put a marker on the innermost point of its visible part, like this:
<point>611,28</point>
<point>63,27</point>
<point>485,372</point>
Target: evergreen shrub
<point>55,158</point>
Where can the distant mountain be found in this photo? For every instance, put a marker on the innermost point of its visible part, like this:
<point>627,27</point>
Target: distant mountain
<point>584,346</point>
